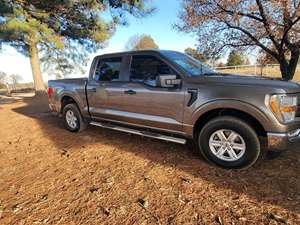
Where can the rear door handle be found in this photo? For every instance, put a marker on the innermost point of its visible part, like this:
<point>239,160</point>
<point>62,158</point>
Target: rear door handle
<point>130,92</point>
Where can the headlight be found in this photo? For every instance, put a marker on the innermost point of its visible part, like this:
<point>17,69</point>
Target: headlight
<point>284,107</point>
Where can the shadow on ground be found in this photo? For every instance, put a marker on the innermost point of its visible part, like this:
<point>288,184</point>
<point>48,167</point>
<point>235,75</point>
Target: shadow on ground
<point>275,181</point>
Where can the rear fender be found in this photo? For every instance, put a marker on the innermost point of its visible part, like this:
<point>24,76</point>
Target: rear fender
<point>81,105</point>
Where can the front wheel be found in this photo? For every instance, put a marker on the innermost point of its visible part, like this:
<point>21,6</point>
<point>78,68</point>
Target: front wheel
<point>229,142</point>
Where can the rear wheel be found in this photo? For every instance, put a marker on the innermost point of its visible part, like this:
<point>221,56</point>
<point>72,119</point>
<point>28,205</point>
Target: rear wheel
<point>229,142</point>
<point>73,119</point>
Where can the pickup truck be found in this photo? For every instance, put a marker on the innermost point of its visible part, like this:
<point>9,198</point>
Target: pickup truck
<point>171,96</point>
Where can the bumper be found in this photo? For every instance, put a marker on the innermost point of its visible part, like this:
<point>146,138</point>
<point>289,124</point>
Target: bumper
<point>281,141</point>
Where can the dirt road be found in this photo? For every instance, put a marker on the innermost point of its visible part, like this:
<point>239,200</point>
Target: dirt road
<point>51,176</point>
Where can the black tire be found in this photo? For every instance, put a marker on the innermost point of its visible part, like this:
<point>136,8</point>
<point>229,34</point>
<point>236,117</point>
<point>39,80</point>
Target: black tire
<point>249,136</point>
<point>80,123</point>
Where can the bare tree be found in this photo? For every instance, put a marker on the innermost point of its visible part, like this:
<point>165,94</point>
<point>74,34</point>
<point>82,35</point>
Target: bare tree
<point>3,79</point>
<point>14,80</point>
<point>263,58</point>
<point>272,25</point>
<point>4,82</point>
<point>197,55</point>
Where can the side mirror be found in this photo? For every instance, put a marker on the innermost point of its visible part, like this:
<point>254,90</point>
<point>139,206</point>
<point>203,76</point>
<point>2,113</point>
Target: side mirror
<point>167,81</point>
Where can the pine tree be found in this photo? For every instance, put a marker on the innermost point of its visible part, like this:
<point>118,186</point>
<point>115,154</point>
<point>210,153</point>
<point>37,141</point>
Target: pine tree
<point>235,59</point>
<point>51,25</point>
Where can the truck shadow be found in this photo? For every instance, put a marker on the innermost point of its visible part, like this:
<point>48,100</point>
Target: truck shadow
<point>275,181</point>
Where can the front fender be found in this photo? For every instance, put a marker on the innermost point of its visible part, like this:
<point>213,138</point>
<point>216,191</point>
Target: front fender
<point>258,114</point>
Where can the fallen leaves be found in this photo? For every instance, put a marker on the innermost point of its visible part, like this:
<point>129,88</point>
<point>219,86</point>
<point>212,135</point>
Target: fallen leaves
<point>93,189</point>
<point>143,203</point>
<point>277,218</point>
<point>105,177</point>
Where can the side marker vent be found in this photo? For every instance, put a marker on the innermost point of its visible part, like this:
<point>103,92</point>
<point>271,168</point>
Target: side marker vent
<point>194,96</point>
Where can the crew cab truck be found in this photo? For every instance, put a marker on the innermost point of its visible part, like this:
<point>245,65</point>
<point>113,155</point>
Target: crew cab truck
<point>170,96</point>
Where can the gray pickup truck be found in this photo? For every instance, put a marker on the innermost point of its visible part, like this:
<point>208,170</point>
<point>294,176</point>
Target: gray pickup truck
<point>170,96</point>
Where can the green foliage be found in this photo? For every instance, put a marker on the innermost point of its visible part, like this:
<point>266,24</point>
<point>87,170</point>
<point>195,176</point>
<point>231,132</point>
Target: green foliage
<point>197,55</point>
<point>57,25</point>
<point>235,59</point>
<point>140,42</point>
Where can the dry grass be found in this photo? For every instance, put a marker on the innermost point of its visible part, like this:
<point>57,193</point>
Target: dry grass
<point>270,71</point>
<point>51,176</point>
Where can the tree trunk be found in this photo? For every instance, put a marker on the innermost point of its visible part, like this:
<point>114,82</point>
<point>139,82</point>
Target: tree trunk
<point>293,63</point>
<point>35,68</point>
<point>288,69</point>
<point>284,69</point>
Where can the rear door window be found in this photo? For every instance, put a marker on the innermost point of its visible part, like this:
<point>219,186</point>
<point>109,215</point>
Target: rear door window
<point>108,69</point>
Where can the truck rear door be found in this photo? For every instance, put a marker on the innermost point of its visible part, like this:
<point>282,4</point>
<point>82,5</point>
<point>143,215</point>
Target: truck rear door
<point>103,87</point>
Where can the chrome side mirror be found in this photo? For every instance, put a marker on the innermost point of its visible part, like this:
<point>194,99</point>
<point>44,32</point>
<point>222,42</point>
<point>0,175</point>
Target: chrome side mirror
<point>167,81</point>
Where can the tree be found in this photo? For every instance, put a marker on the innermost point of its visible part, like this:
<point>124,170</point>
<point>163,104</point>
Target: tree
<point>271,25</point>
<point>59,63</point>
<point>197,55</point>
<point>140,42</point>
<point>246,61</point>
<point>264,58</point>
<point>235,59</point>
<point>50,25</point>
<point>14,79</point>
<point>3,80</point>
<point>220,64</point>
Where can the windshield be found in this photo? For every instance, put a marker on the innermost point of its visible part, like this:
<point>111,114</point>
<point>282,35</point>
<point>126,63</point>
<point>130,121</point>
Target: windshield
<point>192,66</point>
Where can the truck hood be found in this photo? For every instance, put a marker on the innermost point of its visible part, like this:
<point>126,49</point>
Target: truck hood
<point>255,81</point>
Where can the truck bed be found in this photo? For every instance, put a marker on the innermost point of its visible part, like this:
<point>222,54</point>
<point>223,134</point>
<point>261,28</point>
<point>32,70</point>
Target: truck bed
<point>76,87</point>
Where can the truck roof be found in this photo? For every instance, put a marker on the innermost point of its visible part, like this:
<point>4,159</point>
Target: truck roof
<point>136,51</point>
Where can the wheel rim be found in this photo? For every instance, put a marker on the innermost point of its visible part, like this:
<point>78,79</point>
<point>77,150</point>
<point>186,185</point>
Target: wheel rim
<point>71,119</point>
<point>227,145</point>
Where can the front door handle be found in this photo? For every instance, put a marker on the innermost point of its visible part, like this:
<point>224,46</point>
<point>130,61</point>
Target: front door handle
<point>130,92</point>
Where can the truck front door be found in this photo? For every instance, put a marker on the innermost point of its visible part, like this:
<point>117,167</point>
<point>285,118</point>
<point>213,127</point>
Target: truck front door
<point>143,103</point>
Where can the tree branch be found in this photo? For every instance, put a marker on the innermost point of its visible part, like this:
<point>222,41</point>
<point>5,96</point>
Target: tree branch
<point>274,54</point>
<point>267,25</point>
<point>249,15</point>
<point>285,36</point>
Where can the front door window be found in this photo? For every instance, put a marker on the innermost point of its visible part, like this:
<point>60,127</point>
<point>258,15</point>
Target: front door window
<point>145,69</point>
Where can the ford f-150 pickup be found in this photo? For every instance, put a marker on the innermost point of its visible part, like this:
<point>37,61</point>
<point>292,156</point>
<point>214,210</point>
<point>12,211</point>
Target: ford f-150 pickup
<point>171,96</point>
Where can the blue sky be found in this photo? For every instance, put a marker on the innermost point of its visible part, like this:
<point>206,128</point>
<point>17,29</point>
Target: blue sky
<point>159,26</point>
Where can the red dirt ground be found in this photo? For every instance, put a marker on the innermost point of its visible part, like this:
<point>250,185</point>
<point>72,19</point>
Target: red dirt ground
<point>51,176</point>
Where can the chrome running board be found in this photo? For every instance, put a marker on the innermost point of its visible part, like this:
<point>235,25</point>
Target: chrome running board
<point>139,132</point>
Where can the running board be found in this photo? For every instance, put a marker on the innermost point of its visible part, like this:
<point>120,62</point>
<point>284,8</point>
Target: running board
<point>141,133</point>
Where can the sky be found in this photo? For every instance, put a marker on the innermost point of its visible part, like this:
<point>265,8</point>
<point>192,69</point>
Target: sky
<point>159,26</point>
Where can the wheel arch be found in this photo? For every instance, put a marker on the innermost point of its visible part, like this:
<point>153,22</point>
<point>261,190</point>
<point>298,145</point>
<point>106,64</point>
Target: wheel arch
<point>248,113</point>
<point>67,99</point>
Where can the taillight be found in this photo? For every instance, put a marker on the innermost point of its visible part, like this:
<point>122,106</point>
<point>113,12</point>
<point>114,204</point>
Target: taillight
<point>50,91</point>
